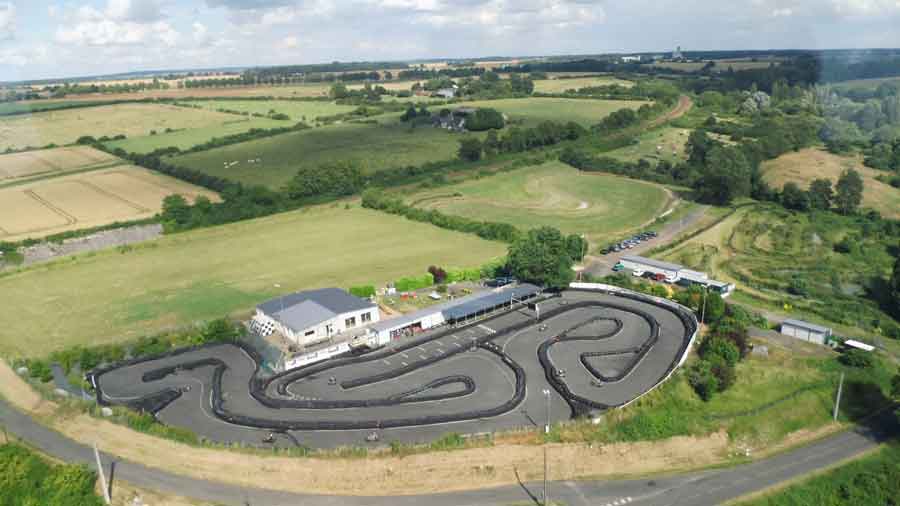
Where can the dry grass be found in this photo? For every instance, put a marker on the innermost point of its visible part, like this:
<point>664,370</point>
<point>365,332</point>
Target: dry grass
<point>805,165</point>
<point>91,199</point>
<point>33,163</point>
<point>561,85</point>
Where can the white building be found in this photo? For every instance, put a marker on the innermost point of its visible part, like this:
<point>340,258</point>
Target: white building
<point>805,331</point>
<point>641,264</point>
<point>313,316</point>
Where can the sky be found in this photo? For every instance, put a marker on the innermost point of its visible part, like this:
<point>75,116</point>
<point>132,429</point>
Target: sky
<point>50,39</point>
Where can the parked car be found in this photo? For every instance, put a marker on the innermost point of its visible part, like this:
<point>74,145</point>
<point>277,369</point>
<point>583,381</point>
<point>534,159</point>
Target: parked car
<point>637,273</point>
<point>659,277</point>
<point>618,267</point>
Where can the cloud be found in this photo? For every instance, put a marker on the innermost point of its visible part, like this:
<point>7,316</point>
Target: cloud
<point>290,42</point>
<point>122,22</point>
<point>248,4</point>
<point>141,11</point>
<point>7,20</point>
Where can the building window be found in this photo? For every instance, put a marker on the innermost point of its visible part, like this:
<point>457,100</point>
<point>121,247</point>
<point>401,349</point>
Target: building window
<point>350,322</point>
<point>366,317</point>
<point>309,333</point>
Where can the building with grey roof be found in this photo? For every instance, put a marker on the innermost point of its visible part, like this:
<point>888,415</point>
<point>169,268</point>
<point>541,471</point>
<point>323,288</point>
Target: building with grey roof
<point>805,331</point>
<point>313,316</point>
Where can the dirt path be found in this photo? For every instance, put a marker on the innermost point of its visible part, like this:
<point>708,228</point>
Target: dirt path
<point>684,105</point>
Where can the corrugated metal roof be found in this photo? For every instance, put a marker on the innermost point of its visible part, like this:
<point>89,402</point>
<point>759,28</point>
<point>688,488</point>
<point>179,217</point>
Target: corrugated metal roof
<point>335,299</point>
<point>806,325</point>
<point>493,299</point>
<point>653,263</point>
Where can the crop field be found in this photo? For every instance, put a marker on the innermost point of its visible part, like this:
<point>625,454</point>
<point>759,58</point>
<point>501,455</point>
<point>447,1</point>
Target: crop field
<point>31,106</point>
<point>64,127</point>
<point>531,111</point>
<point>562,85</point>
<point>805,165</point>
<point>787,263</point>
<point>186,139</point>
<point>18,166</point>
<point>721,65</point>
<point>552,194</point>
<point>204,274</point>
<point>372,146</point>
<point>655,145</point>
<point>90,199</point>
<point>298,110</point>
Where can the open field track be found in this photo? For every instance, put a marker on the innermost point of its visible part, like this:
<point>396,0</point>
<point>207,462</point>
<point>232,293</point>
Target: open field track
<point>485,376</point>
<point>552,194</point>
<point>18,166</point>
<point>85,200</point>
<point>193,276</point>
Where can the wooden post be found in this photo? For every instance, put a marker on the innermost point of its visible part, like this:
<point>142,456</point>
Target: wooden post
<point>103,483</point>
<point>837,400</point>
<point>546,483</point>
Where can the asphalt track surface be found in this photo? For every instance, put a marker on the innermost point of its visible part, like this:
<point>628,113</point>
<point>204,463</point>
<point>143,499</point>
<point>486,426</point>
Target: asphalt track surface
<point>705,488</point>
<point>594,351</point>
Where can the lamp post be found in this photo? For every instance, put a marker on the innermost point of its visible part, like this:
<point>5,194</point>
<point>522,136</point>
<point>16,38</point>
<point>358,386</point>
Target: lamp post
<point>546,393</point>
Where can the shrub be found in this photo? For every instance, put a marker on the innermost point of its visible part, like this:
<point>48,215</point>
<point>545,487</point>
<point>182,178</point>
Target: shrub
<point>438,274</point>
<point>857,358</point>
<point>364,291</point>
<point>720,347</point>
<point>703,380</point>
<point>40,370</point>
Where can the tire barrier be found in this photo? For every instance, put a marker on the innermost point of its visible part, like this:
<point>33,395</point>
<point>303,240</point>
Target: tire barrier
<point>274,391</point>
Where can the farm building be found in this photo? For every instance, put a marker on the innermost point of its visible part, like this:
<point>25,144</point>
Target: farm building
<point>455,311</point>
<point>311,317</point>
<point>805,331</point>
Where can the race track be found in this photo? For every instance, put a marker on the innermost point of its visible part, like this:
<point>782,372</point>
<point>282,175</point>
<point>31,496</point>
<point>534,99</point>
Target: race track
<point>591,350</point>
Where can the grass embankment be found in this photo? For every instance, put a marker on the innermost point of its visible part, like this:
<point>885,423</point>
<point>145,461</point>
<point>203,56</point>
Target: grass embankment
<point>873,480</point>
<point>803,166</point>
<point>551,194</point>
<point>117,295</point>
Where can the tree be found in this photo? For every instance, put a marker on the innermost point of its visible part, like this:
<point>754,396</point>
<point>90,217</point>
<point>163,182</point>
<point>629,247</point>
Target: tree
<point>470,149</point>
<point>792,197</point>
<point>715,308</point>
<point>895,286</point>
<point>702,379</point>
<point>175,210</point>
<point>542,257</point>
<point>439,274</point>
<point>726,176</point>
<point>849,190</point>
<point>857,358</point>
<point>338,91</point>
<point>576,246</point>
<point>410,113</point>
<point>820,194</point>
<point>491,143</point>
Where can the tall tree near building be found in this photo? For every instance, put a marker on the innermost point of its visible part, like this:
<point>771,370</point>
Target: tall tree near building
<point>849,192</point>
<point>726,176</point>
<point>542,257</point>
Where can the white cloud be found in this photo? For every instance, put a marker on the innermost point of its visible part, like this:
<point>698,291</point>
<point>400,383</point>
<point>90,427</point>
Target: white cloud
<point>290,42</point>
<point>865,7</point>
<point>135,10</point>
<point>122,22</point>
<point>201,33</point>
<point>7,20</point>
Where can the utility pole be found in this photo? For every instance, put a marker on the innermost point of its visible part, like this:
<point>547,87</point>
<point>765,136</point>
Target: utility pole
<point>546,393</point>
<point>103,483</point>
<point>546,483</point>
<point>837,400</point>
<point>703,311</point>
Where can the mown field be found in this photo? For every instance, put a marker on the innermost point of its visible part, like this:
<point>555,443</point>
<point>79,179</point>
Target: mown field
<point>188,138</point>
<point>563,85</point>
<point>30,106</point>
<point>298,110</point>
<point>66,126</point>
<point>790,264</point>
<point>655,145</point>
<point>84,200</point>
<point>374,147</point>
<point>531,111</point>
<point>18,166</point>
<point>803,166</point>
<point>551,194</point>
<point>203,274</point>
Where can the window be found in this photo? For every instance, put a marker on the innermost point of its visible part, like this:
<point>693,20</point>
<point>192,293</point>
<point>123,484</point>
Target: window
<point>366,317</point>
<point>350,322</point>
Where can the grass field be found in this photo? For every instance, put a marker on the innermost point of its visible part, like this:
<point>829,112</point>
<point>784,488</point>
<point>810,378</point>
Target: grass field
<point>552,194</point>
<point>869,84</point>
<point>18,166</point>
<point>64,127</point>
<point>531,111</point>
<point>186,139</point>
<point>670,140</point>
<point>373,146</point>
<point>297,110</point>
<point>721,65</point>
<point>11,108</point>
<point>562,85</point>
<point>805,165</point>
<point>204,274</point>
<point>85,200</point>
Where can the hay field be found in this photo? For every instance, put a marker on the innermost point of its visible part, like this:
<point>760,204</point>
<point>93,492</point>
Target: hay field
<point>531,111</point>
<point>203,274</point>
<point>552,194</point>
<point>721,65</point>
<point>17,166</point>
<point>671,141</point>
<point>562,85</point>
<point>85,200</point>
<point>185,139</point>
<point>372,146</point>
<point>298,110</point>
<point>805,165</point>
<point>64,127</point>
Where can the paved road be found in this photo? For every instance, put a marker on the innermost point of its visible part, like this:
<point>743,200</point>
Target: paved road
<point>692,489</point>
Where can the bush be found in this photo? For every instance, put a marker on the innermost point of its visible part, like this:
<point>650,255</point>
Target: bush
<point>439,275</point>
<point>40,370</point>
<point>412,283</point>
<point>702,379</point>
<point>26,479</point>
<point>857,358</point>
<point>720,347</point>
<point>364,291</point>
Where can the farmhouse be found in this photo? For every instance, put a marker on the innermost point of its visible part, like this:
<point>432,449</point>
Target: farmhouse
<point>805,331</point>
<point>314,316</point>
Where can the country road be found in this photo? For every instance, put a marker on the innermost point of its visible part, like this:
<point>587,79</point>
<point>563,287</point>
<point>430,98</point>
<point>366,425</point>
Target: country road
<point>705,488</point>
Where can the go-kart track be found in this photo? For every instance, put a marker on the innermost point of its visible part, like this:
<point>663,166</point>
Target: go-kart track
<point>592,350</point>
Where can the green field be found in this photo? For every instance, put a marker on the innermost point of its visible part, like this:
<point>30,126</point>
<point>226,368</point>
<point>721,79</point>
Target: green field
<point>13,108</point>
<point>531,111</point>
<point>185,139</point>
<point>298,110</point>
<point>575,83</point>
<point>552,194</point>
<point>655,145</point>
<point>374,147</point>
<point>179,279</point>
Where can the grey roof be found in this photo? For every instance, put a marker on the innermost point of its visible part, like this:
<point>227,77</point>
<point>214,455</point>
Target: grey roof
<point>302,310</point>
<point>806,325</point>
<point>652,263</point>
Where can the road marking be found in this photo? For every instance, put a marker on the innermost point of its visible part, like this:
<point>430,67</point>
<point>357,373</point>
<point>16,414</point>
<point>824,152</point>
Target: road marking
<point>386,362</point>
<point>487,329</point>
<point>404,355</point>
<point>423,357</point>
<point>457,345</point>
<point>404,364</point>
<point>439,350</point>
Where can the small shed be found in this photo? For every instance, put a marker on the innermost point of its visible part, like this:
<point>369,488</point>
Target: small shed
<point>852,343</point>
<point>805,331</point>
